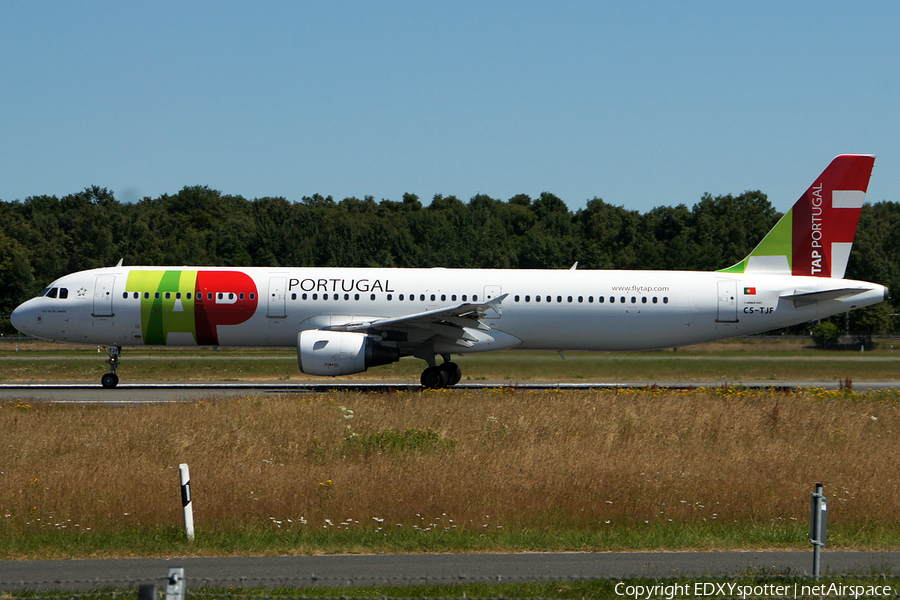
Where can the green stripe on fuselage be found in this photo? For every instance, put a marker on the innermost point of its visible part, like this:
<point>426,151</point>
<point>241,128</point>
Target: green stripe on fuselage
<point>161,316</point>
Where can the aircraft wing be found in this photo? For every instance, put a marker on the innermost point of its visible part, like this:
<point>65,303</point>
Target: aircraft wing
<point>450,323</point>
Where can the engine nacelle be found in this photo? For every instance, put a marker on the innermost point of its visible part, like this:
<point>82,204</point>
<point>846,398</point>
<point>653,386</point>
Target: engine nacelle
<point>335,353</point>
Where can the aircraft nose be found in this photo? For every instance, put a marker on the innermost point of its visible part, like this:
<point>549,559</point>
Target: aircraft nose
<point>19,318</point>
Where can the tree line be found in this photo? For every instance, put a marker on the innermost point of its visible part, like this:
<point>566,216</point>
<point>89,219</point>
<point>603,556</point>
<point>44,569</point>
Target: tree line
<point>44,237</point>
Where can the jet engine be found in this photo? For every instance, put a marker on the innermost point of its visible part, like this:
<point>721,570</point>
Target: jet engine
<point>340,353</point>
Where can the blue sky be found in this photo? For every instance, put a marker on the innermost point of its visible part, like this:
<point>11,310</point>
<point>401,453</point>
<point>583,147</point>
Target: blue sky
<point>639,103</point>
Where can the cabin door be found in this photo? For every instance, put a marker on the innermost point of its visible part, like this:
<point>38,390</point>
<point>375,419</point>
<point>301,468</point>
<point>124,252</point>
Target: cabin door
<point>103,291</point>
<point>727,302</point>
<point>277,295</point>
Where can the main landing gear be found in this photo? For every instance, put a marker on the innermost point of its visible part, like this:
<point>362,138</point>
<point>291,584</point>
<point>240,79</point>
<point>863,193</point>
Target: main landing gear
<point>111,380</point>
<point>441,376</point>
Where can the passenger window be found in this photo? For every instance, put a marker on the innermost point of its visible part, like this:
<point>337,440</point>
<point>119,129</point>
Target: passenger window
<point>253,296</point>
<point>209,295</point>
<point>633,300</point>
<point>400,297</point>
<point>356,296</point>
<point>231,295</point>
<point>422,297</point>
<point>622,299</point>
<point>303,296</point>
<point>517,297</point>
<point>432,297</point>
<point>324,296</point>
<point>443,297</point>
<point>178,295</point>
<point>464,298</point>
<point>559,298</point>
<point>156,296</point>
<point>293,295</point>
<point>125,295</point>
<point>241,296</point>
<point>655,299</point>
<point>474,297</point>
<point>346,296</point>
<point>600,299</point>
<point>188,295</point>
<point>136,295</point>
<point>372,297</point>
<point>527,298</point>
<point>612,299</point>
<point>453,298</point>
<point>537,298</point>
<point>643,299</point>
<point>389,297</point>
<point>570,299</point>
<point>315,296</point>
<point>665,299</point>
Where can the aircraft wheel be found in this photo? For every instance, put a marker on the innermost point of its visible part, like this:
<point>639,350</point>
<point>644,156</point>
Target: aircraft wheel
<point>109,381</point>
<point>454,373</point>
<point>434,378</point>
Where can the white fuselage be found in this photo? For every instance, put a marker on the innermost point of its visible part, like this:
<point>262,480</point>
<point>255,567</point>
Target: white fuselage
<point>543,309</point>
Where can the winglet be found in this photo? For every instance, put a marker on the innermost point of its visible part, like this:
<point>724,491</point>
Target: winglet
<point>494,304</point>
<point>814,237</point>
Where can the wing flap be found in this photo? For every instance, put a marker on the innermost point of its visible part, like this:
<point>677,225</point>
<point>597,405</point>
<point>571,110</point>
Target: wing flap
<point>456,317</point>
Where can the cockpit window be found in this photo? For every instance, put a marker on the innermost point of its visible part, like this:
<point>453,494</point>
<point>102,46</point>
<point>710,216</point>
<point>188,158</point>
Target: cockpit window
<point>54,292</point>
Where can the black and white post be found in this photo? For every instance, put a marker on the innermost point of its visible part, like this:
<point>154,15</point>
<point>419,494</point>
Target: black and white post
<point>818,526</point>
<point>186,501</point>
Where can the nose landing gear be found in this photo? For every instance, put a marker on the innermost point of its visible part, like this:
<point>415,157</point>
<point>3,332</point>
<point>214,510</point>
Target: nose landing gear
<point>111,380</point>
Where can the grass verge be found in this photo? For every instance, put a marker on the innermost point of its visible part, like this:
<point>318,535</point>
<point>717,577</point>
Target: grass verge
<point>444,471</point>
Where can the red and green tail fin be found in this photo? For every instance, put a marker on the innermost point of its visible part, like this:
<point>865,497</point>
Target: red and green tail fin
<point>814,237</point>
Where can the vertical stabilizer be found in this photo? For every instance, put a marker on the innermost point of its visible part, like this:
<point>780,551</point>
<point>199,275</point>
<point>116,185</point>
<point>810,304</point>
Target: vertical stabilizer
<point>814,237</point>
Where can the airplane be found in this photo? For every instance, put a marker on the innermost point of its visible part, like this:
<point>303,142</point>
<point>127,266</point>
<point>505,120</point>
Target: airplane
<point>345,320</point>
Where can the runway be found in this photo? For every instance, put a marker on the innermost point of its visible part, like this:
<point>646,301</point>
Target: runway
<point>409,569</point>
<point>80,392</point>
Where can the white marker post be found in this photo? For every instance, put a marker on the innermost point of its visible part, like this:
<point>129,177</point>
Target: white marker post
<point>186,501</point>
<point>818,526</point>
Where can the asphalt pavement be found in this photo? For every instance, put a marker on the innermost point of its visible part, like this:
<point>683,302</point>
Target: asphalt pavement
<point>409,569</point>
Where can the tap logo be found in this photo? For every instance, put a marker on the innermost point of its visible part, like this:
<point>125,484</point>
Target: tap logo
<point>192,303</point>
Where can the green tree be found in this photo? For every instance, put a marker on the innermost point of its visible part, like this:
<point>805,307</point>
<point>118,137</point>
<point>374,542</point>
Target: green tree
<point>826,334</point>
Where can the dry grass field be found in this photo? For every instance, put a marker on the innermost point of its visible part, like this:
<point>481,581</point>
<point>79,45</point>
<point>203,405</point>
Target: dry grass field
<point>467,463</point>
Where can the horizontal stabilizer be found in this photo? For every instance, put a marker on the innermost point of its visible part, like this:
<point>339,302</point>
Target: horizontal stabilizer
<point>807,298</point>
